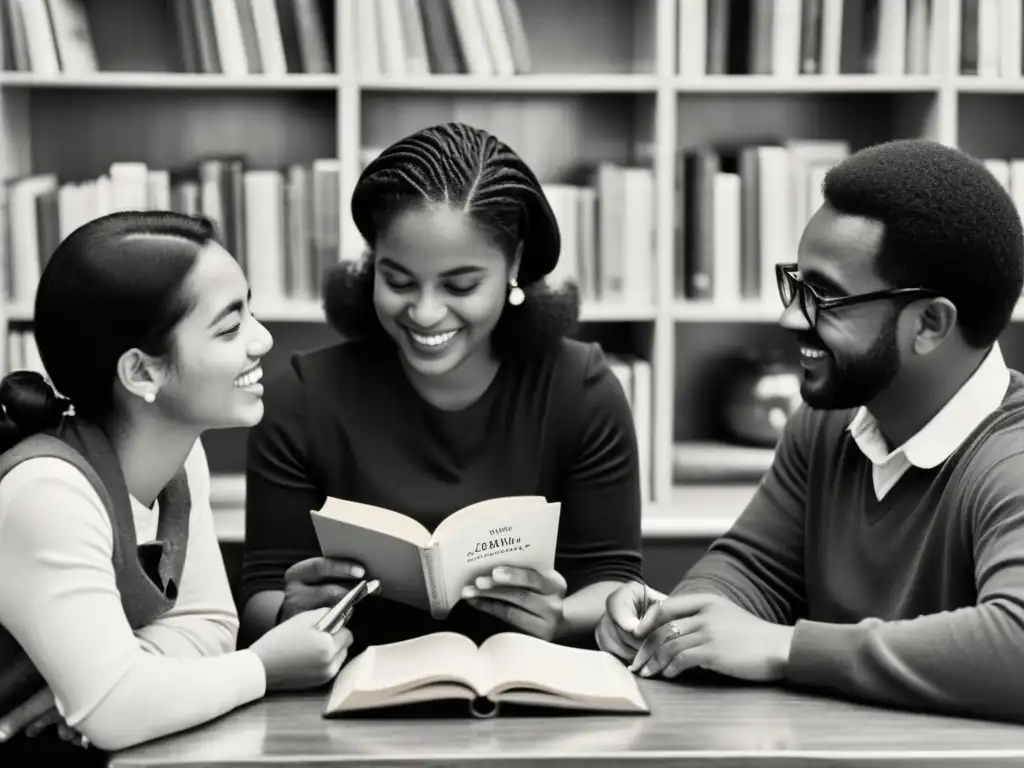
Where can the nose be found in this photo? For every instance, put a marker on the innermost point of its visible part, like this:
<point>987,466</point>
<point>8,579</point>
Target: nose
<point>428,310</point>
<point>793,318</point>
<point>261,341</point>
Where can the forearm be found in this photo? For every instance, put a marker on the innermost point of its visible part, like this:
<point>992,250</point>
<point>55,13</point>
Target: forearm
<point>158,696</point>
<point>719,573</point>
<point>189,636</point>
<point>259,616</point>
<point>582,610</point>
<point>969,661</point>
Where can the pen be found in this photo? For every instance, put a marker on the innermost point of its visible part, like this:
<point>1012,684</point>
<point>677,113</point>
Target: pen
<point>338,616</point>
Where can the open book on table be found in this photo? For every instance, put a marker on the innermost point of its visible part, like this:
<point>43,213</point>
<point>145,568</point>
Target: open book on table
<point>506,668</point>
<point>429,570</point>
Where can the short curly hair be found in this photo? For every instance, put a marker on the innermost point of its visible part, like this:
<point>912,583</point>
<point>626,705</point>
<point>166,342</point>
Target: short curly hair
<point>467,168</point>
<point>949,225</point>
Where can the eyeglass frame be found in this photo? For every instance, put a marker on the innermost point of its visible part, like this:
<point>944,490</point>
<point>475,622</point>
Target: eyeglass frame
<point>784,276</point>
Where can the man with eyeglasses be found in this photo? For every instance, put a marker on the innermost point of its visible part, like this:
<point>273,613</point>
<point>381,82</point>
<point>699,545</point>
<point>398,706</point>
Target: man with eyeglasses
<point>882,555</point>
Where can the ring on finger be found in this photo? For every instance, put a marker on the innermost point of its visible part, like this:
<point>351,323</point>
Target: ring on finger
<point>673,631</point>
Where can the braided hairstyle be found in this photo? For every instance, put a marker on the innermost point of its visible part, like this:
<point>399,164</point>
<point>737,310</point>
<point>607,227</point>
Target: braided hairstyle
<point>114,284</point>
<point>949,225</point>
<point>471,170</point>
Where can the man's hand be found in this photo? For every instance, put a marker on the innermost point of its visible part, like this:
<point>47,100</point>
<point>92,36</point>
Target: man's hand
<point>707,631</point>
<point>36,715</point>
<point>529,600</point>
<point>623,609</point>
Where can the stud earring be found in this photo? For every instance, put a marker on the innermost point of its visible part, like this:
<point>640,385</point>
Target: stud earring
<point>515,294</point>
<point>149,397</point>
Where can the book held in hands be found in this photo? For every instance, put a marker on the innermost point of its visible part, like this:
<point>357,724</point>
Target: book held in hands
<point>506,669</point>
<point>429,570</point>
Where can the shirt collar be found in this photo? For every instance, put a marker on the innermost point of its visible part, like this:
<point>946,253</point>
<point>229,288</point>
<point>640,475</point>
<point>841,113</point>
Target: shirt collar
<point>980,395</point>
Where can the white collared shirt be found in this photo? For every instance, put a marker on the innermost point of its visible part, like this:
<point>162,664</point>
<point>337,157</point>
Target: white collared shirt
<point>935,441</point>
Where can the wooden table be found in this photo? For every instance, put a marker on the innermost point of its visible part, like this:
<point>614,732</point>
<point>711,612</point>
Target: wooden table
<point>717,725</point>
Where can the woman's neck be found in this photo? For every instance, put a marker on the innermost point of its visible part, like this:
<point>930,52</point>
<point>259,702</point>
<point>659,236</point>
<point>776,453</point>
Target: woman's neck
<point>459,388</point>
<point>151,453</point>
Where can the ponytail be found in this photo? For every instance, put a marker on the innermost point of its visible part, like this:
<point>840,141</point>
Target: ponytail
<point>28,404</point>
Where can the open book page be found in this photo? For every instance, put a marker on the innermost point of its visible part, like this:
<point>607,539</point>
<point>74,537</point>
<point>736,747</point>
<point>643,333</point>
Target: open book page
<point>592,678</point>
<point>521,532</point>
<point>429,667</point>
<point>385,542</point>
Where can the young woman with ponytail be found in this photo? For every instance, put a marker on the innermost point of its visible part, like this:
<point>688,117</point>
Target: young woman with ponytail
<point>114,603</point>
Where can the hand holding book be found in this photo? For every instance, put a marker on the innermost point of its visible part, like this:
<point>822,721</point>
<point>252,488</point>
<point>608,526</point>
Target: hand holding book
<point>527,599</point>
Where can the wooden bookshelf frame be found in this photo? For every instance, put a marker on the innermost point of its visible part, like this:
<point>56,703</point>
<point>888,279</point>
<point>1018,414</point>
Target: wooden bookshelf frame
<point>676,511</point>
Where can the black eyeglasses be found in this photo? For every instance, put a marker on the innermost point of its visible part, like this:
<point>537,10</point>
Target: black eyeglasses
<point>811,303</point>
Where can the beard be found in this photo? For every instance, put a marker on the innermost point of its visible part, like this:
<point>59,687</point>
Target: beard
<point>846,381</point>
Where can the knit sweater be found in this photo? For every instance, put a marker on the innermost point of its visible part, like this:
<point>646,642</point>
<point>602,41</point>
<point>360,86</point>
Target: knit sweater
<point>915,600</point>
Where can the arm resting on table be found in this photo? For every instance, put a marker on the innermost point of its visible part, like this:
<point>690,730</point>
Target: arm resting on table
<point>966,661</point>
<point>59,599</point>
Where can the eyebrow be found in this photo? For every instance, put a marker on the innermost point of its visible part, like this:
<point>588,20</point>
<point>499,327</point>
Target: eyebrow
<point>235,306</point>
<point>455,272</point>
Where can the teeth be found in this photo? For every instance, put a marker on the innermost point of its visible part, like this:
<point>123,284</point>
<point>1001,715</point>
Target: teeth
<point>812,352</point>
<point>250,378</point>
<point>435,340</point>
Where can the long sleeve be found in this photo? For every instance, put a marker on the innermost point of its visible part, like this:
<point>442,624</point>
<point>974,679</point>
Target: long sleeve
<point>599,529</point>
<point>964,661</point>
<point>279,489</point>
<point>59,599</point>
<point>204,619</point>
<point>759,563</point>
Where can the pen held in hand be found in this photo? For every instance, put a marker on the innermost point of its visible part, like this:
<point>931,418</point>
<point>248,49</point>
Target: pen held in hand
<point>336,618</point>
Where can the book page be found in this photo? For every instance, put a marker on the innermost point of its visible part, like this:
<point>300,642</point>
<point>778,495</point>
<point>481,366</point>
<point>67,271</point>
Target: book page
<point>478,539</point>
<point>394,560</point>
<point>590,677</point>
<point>382,673</point>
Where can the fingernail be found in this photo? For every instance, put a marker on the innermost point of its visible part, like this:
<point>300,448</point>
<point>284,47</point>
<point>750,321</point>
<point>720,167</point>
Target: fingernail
<point>631,624</point>
<point>468,592</point>
<point>359,572</point>
<point>500,573</point>
<point>646,671</point>
<point>4,735</point>
<point>483,582</point>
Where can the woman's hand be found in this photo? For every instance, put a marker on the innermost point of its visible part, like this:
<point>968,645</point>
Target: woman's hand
<point>527,599</point>
<point>36,715</point>
<point>318,582</point>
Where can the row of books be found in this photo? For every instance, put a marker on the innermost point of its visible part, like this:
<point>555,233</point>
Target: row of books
<point>397,38</point>
<point>634,373</point>
<point>608,234</point>
<point>232,37</point>
<point>283,225</point>
<point>991,38</point>
<point>787,38</point>
<point>742,210</point>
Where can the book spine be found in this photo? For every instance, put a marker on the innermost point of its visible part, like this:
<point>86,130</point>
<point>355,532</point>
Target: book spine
<point>434,578</point>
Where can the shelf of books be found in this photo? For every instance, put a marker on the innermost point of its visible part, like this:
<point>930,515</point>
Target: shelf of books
<point>682,143</point>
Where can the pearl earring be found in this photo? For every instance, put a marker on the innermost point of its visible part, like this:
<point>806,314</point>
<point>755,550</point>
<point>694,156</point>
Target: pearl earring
<point>149,397</point>
<point>515,294</point>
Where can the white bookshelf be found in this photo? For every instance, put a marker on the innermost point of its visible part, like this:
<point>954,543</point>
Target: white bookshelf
<point>598,93</point>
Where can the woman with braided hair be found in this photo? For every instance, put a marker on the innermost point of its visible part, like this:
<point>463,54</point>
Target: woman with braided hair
<point>456,383</point>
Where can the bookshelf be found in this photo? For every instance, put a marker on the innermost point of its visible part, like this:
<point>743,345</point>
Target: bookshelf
<point>610,81</point>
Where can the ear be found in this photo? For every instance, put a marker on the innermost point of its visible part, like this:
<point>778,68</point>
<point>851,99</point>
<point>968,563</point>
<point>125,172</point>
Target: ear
<point>140,374</point>
<point>934,325</point>
<point>513,270</point>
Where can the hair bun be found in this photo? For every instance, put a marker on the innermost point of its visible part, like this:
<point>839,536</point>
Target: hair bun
<point>28,405</point>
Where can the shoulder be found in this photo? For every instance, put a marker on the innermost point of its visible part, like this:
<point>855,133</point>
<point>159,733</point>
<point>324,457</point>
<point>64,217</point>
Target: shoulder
<point>50,493</point>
